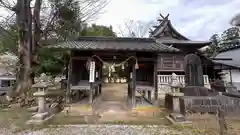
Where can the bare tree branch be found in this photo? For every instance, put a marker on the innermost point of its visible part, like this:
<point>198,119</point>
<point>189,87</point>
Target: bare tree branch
<point>8,4</point>
<point>135,28</point>
<point>89,9</point>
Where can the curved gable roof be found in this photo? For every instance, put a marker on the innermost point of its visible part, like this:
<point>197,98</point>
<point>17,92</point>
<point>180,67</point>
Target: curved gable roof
<point>165,29</point>
<point>165,33</point>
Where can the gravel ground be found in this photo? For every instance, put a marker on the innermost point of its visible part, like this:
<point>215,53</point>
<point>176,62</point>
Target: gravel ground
<point>100,130</point>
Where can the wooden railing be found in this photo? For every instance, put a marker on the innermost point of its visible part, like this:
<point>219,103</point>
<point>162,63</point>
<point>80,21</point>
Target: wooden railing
<point>166,79</point>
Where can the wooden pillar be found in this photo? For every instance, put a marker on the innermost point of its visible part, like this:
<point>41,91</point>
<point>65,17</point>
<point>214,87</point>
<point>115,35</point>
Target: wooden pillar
<point>230,75</point>
<point>100,78</point>
<point>133,83</point>
<point>69,79</point>
<point>97,79</point>
<point>92,79</point>
<point>129,81</point>
<point>144,93</point>
<point>155,80</point>
<point>91,93</point>
<point>149,95</point>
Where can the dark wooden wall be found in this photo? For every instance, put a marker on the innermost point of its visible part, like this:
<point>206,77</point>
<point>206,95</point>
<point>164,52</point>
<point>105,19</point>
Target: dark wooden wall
<point>145,72</point>
<point>79,71</point>
<point>170,62</point>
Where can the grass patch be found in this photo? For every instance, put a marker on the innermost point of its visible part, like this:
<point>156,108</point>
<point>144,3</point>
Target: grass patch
<point>61,119</point>
<point>140,121</point>
<point>14,118</point>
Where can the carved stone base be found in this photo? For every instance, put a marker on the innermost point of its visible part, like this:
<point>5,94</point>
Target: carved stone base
<point>40,118</point>
<point>195,91</point>
<point>177,118</point>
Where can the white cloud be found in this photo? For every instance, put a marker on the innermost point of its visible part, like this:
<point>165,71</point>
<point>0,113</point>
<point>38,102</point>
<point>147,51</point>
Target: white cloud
<point>195,19</point>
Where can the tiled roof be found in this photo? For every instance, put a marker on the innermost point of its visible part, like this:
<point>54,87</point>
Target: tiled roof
<point>183,42</point>
<point>113,43</point>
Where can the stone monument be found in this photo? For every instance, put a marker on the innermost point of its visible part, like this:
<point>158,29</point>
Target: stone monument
<point>194,84</point>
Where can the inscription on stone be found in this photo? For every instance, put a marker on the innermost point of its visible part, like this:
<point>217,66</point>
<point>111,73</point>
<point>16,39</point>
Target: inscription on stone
<point>202,104</point>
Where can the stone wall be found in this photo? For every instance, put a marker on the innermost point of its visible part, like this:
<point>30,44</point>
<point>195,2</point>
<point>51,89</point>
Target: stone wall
<point>229,105</point>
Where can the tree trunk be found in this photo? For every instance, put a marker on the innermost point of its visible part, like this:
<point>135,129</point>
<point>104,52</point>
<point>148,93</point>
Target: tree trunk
<point>24,22</point>
<point>36,36</point>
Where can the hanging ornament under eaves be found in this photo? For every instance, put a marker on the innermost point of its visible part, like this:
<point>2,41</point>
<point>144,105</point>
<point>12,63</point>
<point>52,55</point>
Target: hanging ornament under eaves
<point>104,66</point>
<point>113,67</point>
<point>136,65</point>
<point>123,66</point>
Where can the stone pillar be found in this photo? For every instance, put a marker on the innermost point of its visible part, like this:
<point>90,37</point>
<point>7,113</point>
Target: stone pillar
<point>41,101</point>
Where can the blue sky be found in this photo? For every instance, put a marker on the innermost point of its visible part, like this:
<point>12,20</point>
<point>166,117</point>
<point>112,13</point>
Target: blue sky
<point>196,19</point>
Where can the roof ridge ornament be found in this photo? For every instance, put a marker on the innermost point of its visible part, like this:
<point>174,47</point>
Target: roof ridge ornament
<point>164,18</point>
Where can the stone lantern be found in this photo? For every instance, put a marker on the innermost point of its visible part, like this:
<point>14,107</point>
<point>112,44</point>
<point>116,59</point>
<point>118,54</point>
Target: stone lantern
<point>172,98</point>
<point>175,84</point>
<point>41,95</point>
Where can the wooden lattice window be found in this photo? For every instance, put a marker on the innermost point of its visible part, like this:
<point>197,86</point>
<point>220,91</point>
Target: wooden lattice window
<point>167,61</point>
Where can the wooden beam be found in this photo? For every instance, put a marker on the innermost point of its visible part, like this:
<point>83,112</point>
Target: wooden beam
<point>221,59</point>
<point>162,16</point>
<point>160,20</point>
<point>151,31</point>
<point>139,58</point>
<point>166,17</point>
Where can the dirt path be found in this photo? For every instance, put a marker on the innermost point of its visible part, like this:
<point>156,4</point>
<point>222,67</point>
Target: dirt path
<point>114,92</point>
<point>113,97</point>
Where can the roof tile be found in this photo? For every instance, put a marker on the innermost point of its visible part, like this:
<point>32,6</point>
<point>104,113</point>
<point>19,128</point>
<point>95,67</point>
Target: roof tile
<point>124,45</point>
